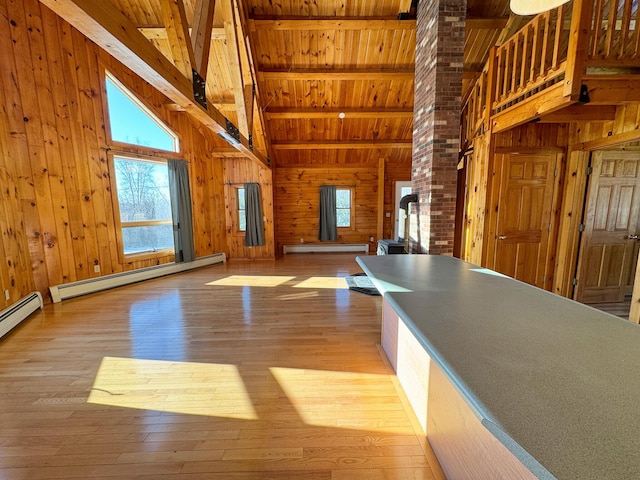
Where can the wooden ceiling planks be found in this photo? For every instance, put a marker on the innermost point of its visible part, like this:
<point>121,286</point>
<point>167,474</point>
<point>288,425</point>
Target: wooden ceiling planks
<point>334,57</point>
<point>297,49</point>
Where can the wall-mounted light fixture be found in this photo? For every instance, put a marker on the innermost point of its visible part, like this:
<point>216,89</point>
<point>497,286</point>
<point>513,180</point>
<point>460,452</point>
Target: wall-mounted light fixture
<point>534,7</point>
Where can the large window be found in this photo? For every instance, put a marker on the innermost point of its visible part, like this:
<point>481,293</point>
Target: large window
<point>343,207</point>
<point>131,122</point>
<point>144,204</point>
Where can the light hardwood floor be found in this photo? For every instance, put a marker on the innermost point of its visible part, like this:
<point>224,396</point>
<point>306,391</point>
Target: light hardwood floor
<point>248,370</point>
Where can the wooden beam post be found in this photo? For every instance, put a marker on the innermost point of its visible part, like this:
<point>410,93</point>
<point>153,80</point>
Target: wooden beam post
<point>380,229</point>
<point>175,22</point>
<point>578,46</point>
<point>235,64</point>
<point>201,34</point>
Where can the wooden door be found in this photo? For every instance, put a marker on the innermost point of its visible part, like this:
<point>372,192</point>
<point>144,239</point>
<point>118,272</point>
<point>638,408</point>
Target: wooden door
<point>525,221</point>
<point>609,253</point>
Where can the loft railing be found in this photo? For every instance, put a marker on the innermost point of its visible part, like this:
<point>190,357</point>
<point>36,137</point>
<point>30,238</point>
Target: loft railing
<point>614,39</point>
<point>556,49</point>
<point>532,59</point>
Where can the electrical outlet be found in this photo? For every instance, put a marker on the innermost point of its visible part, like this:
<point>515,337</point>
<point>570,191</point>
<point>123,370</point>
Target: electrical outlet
<point>371,239</point>
<point>387,214</point>
<point>301,240</point>
<point>96,268</point>
<point>7,295</point>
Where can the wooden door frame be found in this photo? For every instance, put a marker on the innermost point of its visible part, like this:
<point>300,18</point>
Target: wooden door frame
<point>572,211</point>
<point>581,236</point>
<point>494,194</point>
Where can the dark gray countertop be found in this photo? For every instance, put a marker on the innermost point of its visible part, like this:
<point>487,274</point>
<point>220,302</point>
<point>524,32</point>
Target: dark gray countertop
<point>557,382</point>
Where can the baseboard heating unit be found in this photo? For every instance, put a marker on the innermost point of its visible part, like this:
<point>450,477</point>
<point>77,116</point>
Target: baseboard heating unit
<point>331,248</point>
<point>92,285</point>
<point>16,313</point>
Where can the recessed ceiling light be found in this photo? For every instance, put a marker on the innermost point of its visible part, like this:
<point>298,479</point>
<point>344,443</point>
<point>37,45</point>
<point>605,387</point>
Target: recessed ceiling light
<point>342,115</point>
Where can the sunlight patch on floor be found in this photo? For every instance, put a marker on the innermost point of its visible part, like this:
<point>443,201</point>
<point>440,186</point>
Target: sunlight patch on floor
<point>323,282</point>
<point>214,390</point>
<point>358,401</point>
<point>251,281</point>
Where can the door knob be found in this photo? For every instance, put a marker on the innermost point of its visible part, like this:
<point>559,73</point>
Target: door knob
<point>504,237</point>
<point>632,237</point>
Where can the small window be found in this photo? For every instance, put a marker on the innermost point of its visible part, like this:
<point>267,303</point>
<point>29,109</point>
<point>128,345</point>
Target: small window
<point>242,212</point>
<point>131,122</point>
<point>343,207</point>
<point>142,188</point>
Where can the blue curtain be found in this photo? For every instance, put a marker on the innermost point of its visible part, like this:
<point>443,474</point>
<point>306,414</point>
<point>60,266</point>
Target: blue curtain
<point>328,221</point>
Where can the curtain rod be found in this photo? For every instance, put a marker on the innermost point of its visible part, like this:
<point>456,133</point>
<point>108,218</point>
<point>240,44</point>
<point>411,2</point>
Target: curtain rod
<point>237,183</point>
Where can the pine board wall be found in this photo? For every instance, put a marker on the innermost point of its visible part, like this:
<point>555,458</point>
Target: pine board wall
<point>297,200</point>
<point>57,217</point>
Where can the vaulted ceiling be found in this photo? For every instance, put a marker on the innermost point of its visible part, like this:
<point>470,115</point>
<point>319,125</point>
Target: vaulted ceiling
<point>305,82</point>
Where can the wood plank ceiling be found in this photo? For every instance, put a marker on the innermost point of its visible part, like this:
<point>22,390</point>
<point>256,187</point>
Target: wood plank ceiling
<point>309,82</point>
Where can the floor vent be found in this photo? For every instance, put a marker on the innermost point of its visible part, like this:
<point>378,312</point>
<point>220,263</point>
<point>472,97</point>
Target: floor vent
<point>16,313</point>
<point>331,248</point>
<point>92,285</point>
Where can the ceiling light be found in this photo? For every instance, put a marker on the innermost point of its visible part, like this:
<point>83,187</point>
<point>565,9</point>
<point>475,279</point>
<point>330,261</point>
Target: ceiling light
<point>341,115</point>
<point>533,7</point>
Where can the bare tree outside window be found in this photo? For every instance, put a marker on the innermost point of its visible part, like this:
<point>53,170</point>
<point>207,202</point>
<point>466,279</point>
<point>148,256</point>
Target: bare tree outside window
<point>145,206</point>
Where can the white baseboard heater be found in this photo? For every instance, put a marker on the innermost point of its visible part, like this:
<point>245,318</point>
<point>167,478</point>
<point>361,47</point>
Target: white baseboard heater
<point>329,248</point>
<point>16,313</point>
<point>92,285</point>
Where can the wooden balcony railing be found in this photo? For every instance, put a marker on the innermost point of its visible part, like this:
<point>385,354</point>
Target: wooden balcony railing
<point>533,59</point>
<point>614,37</point>
<point>563,45</point>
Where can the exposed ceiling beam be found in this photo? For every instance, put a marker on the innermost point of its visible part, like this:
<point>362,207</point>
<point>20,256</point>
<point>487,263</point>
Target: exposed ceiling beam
<point>175,21</point>
<point>235,64</point>
<point>105,25</point>
<point>486,23</point>
<point>581,113</point>
<point>350,113</point>
<point>226,152</point>
<point>329,23</point>
<point>201,36</point>
<point>340,144</point>
<point>158,32</point>
<point>402,74</point>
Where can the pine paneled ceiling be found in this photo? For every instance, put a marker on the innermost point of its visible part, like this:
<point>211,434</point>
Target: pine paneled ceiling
<point>313,82</point>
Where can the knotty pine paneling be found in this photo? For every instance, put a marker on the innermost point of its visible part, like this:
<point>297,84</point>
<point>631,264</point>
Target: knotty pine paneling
<point>57,216</point>
<point>236,173</point>
<point>297,199</point>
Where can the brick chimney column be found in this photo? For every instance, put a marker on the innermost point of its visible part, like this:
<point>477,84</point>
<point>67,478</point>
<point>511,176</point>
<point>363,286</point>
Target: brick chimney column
<point>436,128</point>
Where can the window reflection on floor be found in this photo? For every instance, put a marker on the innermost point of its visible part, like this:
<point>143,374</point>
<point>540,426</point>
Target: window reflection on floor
<point>157,327</point>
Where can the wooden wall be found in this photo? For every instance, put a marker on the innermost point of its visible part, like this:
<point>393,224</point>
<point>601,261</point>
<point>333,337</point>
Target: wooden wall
<point>576,140</point>
<point>297,197</point>
<point>236,173</point>
<point>57,216</point>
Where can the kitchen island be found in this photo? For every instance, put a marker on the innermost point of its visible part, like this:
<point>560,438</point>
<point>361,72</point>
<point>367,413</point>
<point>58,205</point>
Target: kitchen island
<point>508,380</point>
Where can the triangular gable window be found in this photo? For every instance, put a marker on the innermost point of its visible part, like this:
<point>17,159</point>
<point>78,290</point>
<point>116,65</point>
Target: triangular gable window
<point>133,123</point>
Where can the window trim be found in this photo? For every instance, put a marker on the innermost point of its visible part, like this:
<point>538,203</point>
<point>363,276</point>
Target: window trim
<point>351,191</point>
<point>119,225</point>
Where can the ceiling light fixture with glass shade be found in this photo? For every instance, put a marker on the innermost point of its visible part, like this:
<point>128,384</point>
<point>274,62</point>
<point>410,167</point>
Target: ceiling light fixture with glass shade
<point>534,7</point>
